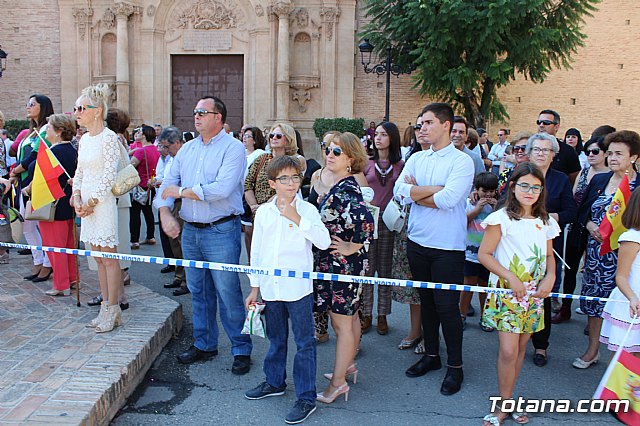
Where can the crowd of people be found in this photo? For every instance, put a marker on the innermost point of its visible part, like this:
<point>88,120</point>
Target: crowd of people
<point>504,215</point>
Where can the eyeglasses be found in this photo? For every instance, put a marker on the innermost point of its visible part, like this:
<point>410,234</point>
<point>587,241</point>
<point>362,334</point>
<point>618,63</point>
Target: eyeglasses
<point>288,179</point>
<point>275,136</point>
<point>525,187</point>
<point>337,151</point>
<point>247,136</point>
<point>545,122</point>
<point>83,108</point>
<point>201,112</point>
<point>163,147</point>
<point>594,151</point>
<point>31,104</point>
<point>518,148</point>
<point>544,151</point>
<point>417,126</point>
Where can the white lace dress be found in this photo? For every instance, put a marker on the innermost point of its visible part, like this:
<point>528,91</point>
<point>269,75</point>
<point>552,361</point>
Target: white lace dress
<point>98,158</point>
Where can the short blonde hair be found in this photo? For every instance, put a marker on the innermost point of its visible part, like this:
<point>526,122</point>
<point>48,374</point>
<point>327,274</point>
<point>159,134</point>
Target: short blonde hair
<point>65,123</point>
<point>353,149</point>
<point>291,148</point>
<point>98,96</point>
<point>522,135</point>
<point>1,120</point>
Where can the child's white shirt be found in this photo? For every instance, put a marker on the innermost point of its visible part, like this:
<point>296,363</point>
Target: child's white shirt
<point>279,243</point>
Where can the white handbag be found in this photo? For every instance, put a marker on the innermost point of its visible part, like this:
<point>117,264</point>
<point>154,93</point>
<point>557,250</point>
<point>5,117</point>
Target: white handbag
<point>394,215</point>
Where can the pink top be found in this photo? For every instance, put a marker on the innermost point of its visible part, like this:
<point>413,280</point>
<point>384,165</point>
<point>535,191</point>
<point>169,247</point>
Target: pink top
<point>135,145</point>
<point>152,156</point>
<point>383,193</point>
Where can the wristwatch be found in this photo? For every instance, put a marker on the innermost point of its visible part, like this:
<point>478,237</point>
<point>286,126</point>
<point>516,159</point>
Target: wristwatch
<point>180,192</point>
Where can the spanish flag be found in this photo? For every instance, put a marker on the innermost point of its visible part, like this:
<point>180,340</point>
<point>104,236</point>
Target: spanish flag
<point>611,226</point>
<point>621,381</point>
<point>45,188</point>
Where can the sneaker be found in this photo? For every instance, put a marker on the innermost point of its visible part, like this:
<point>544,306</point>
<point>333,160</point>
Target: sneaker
<point>263,390</point>
<point>299,413</point>
<point>579,311</point>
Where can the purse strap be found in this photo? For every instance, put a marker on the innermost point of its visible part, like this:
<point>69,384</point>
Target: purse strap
<point>146,165</point>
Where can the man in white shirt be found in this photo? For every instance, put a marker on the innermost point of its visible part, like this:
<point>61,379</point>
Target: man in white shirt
<point>497,151</point>
<point>8,159</point>
<point>459,140</point>
<point>437,181</point>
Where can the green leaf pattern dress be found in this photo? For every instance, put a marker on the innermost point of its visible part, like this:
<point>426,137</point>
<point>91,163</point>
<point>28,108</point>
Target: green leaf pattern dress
<point>523,250</point>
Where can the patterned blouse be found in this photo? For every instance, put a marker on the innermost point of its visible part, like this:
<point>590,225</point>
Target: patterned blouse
<point>346,216</point>
<point>258,181</point>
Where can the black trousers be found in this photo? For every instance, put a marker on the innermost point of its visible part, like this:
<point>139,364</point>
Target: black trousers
<point>439,308</point>
<point>572,257</point>
<point>135,222</point>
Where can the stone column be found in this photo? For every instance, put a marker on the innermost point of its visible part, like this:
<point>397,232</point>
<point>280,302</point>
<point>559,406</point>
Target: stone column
<point>82,71</point>
<point>282,10</point>
<point>122,11</point>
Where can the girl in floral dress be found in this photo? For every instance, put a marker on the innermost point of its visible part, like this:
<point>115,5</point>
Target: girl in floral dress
<point>517,249</point>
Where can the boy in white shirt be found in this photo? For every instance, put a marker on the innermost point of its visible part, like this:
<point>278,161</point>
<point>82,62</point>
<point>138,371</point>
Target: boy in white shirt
<point>285,229</point>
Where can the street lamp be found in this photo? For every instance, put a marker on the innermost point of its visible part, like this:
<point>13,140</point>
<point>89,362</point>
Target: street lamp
<point>3,60</point>
<point>385,67</point>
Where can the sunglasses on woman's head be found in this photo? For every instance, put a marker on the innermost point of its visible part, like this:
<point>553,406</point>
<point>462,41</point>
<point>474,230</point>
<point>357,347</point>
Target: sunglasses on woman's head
<point>275,135</point>
<point>337,151</point>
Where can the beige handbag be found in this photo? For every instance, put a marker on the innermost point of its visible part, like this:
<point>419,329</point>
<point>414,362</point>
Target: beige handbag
<point>45,213</point>
<point>127,177</point>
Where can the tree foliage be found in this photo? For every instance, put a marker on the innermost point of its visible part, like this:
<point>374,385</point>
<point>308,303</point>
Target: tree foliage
<point>353,125</point>
<point>463,51</point>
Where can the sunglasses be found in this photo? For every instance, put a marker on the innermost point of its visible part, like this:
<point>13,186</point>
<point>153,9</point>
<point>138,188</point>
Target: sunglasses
<point>201,112</point>
<point>31,104</point>
<point>545,122</point>
<point>275,136</point>
<point>594,151</point>
<point>337,151</point>
<point>83,108</point>
<point>417,127</point>
<point>518,148</point>
<point>525,187</point>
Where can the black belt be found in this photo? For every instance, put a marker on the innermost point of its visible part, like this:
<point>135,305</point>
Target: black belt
<point>217,222</point>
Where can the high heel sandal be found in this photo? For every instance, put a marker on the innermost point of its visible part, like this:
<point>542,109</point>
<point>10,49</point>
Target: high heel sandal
<point>112,318</point>
<point>351,371</point>
<point>342,389</point>
<point>97,320</point>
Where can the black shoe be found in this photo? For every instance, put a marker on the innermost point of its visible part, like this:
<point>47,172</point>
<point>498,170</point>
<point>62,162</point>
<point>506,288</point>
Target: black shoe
<point>124,306</point>
<point>540,360</point>
<point>174,284</point>
<point>422,367</point>
<point>452,381</point>
<point>471,312</point>
<point>180,291</point>
<point>263,390</point>
<point>95,301</point>
<point>42,279</point>
<point>31,277</point>
<point>167,269</point>
<point>299,413</point>
<point>241,364</point>
<point>24,252</point>
<point>194,354</point>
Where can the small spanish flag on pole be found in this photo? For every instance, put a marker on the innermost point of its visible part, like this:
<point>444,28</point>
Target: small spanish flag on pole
<point>45,188</point>
<point>611,226</point>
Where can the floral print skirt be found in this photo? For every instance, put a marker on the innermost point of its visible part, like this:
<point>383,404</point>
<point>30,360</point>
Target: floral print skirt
<point>506,313</point>
<point>338,297</point>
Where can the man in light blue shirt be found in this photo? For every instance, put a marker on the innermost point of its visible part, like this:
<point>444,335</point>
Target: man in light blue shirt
<point>207,175</point>
<point>498,151</point>
<point>437,182</point>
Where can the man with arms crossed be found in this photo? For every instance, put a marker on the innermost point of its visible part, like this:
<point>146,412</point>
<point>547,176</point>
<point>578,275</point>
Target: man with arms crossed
<point>438,182</point>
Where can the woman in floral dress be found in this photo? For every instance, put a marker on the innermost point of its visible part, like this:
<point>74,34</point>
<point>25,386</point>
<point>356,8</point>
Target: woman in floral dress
<point>517,249</point>
<point>350,225</point>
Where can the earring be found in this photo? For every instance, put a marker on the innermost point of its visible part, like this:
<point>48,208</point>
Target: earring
<point>349,169</point>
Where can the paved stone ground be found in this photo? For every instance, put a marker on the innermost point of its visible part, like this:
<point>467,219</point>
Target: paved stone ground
<point>55,370</point>
<point>207,393</point>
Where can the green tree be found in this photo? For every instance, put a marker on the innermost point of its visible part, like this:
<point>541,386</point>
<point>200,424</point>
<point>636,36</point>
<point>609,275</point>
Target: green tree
<point>463,51</point>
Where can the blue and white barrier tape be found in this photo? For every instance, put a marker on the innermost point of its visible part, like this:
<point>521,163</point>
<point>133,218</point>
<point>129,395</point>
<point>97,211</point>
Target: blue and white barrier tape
<point>277,272</point>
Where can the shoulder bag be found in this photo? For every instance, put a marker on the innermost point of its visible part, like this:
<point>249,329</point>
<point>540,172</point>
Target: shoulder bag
<point>394,215</point>
<point>140,194</point>
<point>45,213</point>
<point>127,177</point>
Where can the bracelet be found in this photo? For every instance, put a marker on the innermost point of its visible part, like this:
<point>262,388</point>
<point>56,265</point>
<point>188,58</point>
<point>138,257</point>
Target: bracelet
<point>92,202</point>
<point>180,192</point>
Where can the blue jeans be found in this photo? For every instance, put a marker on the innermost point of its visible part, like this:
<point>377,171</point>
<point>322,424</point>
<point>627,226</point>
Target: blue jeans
<point>210,288</point>
<point>277,315</point>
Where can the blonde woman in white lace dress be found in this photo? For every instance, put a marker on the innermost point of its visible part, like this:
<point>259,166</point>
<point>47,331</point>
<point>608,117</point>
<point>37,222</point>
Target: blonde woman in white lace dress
<point>98,157</point>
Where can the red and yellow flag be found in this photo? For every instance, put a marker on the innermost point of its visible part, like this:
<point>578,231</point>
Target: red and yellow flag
<point>611,226</point>
<point>45,188</point>
<point>621,381</point>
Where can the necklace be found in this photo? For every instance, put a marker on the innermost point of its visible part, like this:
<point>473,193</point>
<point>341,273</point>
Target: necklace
<point>382,174</point>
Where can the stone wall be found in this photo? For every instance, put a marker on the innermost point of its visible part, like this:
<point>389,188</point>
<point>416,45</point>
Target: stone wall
<point>31,37</point>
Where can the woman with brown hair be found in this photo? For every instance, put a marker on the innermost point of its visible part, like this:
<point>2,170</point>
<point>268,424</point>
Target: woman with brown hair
<point>350,225</point>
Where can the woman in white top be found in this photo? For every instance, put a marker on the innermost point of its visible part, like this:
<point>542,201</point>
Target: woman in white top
<point>98,157</point>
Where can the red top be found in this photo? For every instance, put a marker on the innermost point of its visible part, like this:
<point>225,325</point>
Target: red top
<point>152,157</point>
